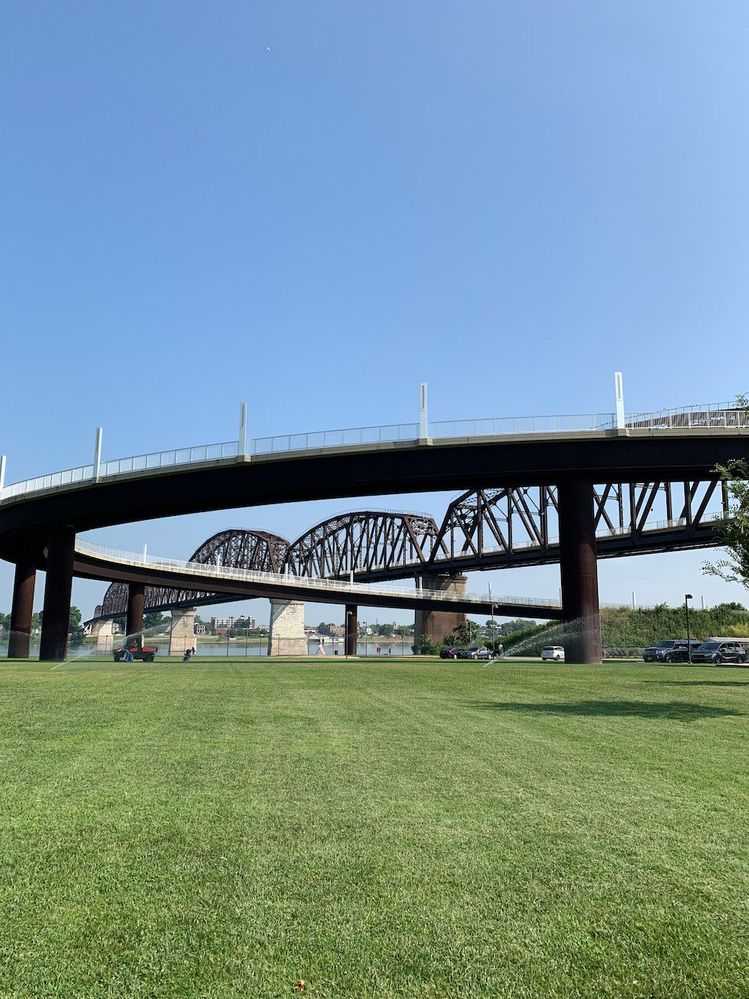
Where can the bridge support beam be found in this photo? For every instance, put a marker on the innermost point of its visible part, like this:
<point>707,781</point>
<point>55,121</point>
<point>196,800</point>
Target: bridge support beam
<point>579,572</point>
<point>57,590</point>
<point>286,633</point>
<point>352,629</point>
<point>182,635</point>
<point>136,600</point>
<point>434,625</point>
<point>21,611</point>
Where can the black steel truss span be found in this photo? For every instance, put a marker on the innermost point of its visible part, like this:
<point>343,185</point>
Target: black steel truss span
<point>367,542</point>
<point>237,549</point>
<point>501,528</point>
<point>481,529</point>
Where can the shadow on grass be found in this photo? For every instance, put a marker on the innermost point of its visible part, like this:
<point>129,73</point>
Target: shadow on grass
<point>669,710</point>
<point>700,683</point>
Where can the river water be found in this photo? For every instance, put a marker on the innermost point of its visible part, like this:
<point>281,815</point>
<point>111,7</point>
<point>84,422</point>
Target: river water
<point>253,647</point>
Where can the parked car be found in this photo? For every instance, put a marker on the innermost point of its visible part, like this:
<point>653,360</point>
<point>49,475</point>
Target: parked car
<point>479,652</point>
<point>719,652</point>
<point>449,652</point>
<point>657,653</point>
<point>145,652</point>
<point>680,653</point>
<point>553,652</point>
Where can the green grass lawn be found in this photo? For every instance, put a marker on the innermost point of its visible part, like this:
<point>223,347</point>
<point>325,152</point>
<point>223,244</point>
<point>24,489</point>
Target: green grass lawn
<point>223,829</point>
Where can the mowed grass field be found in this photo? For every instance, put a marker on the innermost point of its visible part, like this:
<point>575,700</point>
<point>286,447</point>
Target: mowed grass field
<point>411,828</point>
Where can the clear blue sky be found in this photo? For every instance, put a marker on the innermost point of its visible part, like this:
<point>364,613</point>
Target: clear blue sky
<point>315,207</point>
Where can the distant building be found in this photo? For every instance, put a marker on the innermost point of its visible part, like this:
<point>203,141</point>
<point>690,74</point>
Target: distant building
<point>223,625</point>
<point>245,622</point>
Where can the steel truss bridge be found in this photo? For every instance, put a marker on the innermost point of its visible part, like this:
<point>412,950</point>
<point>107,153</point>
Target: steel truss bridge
<point>481,529</point>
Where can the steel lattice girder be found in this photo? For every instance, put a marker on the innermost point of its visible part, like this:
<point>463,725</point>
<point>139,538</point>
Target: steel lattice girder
<point>519,526</point>
<point>363,542</point>
<point>481,529</point>
<point>237,549</point>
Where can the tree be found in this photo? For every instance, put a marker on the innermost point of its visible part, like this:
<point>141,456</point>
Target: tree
<point>464,635</point>
<point>75,629</point>
<point>152,620</point>
<point>733,530</point>
<point>517,624</point>
<point>425,647</point>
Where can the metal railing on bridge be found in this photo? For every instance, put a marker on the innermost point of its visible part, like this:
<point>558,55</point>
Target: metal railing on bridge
<point>714,416</point>
<point>314,585</point>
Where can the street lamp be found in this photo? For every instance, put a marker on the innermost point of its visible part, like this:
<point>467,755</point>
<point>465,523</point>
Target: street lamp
<point>494,636</point>
<point>687,598</point>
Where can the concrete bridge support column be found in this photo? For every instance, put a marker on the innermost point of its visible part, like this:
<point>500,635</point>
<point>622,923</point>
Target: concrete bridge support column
<point>352,629</point>
<point>286,634</point>
<point>434,625</point>
<point>579,572</point>
<point>182,635</point>
<point>136,599</point>
<point>57,590</point>
<point>21,611</point>
<point>103,632</point>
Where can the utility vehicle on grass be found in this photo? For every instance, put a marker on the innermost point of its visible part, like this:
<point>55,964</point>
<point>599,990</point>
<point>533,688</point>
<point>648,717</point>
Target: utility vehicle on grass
<point>137,650</point>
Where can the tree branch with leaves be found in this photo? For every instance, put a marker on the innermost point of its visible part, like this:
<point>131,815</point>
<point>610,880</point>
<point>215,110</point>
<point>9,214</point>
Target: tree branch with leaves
<point>733,530</point>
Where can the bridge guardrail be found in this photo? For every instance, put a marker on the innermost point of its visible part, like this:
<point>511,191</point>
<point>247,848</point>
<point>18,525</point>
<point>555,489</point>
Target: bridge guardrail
<point>306,582</point>
<point>710,416</point>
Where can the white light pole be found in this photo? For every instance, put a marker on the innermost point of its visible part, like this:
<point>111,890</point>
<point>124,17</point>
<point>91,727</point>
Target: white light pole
<point>97,452</point>
<point>242,443</point>
<point>619,390</point>
<point>423,421</point>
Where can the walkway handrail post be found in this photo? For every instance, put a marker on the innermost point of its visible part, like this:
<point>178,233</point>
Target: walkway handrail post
<point>619,389</point>
<point>3,463</point>
<point>242,442</point>
<point>97,453</point>
<point>423,418</point>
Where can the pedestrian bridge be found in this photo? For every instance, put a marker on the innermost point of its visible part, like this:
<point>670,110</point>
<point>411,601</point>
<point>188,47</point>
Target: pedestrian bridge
<point>706,418</point>
<point>97,562</point>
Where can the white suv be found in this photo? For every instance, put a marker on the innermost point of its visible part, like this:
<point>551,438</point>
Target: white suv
<point>555,652</point>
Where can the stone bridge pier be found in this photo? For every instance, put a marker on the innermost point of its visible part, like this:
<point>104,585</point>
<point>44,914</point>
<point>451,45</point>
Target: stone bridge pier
<point>286,633</point>
<point>182,635</point>
<point>103,632</point>
<point>432,624</point>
